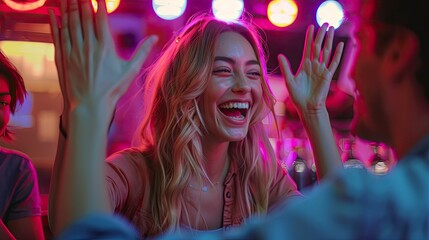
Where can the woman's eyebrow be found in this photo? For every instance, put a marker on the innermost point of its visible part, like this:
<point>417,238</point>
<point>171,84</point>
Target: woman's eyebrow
<point>232,61</point>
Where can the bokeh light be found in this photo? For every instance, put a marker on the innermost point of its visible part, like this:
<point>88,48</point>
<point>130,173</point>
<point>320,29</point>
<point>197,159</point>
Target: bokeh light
<point>111,5</point>
<point>24,6</point>
<point>282,13</point>
<point>227,10</point>
<point>330,12</point>
<point>169,9</point>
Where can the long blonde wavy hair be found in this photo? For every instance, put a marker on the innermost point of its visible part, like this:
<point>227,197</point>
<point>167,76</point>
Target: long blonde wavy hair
<point>173,127</point>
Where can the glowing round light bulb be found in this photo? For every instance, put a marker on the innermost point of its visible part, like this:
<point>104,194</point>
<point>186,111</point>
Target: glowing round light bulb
<point>282,13</point>
<point>330,12</point>
<point>27,6</point>
<point>227,10</point>
<point>111,5</point>
<point>169,9</point>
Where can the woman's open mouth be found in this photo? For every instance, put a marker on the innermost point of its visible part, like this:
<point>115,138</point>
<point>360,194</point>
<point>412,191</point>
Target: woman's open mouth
<point>235,110</point>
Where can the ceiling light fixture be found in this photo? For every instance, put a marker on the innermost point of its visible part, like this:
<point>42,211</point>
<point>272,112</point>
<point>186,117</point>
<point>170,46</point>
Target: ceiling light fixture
<point>27,6</point>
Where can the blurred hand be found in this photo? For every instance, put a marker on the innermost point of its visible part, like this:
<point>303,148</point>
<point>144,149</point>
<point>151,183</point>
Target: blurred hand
<point>309,87</point>
<point>89,69</point>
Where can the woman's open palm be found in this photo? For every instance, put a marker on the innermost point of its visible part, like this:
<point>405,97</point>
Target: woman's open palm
<point>309,87</point>
<point>88,66</point>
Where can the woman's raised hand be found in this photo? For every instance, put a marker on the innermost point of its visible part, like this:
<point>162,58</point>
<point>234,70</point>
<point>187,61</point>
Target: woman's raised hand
<point>90,71</point>
<point>309,87</point>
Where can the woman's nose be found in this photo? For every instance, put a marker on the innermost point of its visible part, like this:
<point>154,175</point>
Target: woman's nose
<point>241,83</point>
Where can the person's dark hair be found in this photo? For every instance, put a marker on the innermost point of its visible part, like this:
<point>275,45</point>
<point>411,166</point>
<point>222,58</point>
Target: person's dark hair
<point>16,86</point>
<point>411,15</point>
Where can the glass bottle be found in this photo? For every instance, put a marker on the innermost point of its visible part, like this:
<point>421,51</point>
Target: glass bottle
<point>378,164</point>
<point>300,172</point>
<point>348,157</point>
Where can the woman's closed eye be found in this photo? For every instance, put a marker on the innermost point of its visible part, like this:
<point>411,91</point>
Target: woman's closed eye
<point>254,74</point>
<point>222,71</point>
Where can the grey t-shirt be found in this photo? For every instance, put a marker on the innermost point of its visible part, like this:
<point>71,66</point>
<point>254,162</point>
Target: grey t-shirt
<point>19,189</point>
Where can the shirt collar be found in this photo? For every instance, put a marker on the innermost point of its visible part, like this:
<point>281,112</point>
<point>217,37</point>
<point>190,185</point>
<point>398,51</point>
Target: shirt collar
<point>232,171</point>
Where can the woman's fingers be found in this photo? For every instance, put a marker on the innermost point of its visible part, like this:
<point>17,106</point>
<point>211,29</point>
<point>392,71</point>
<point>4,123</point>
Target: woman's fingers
<point>336,59</point>
<point>286,71</point>
<point>84,39</point>
<point>326,53</point>
<point>87,20</point>
<point>102,24</point>
<point>142,51</point>
<point>308,43</point>
<point>64,29</point>
<point>54,29</point>
<point>133,67</point>
<point>317,45</point>
<point>55,33</point>
<point>75,27</point>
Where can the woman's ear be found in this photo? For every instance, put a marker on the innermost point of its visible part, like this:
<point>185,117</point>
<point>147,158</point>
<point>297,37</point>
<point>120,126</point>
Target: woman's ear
<point>401,55</point>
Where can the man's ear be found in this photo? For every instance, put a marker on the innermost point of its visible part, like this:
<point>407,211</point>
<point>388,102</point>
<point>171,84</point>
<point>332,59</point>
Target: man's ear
<point>401,55</point>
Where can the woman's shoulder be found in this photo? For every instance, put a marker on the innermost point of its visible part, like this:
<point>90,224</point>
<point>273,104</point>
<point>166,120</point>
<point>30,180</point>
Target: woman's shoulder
<point>127,151</point>
<point>134,156</point>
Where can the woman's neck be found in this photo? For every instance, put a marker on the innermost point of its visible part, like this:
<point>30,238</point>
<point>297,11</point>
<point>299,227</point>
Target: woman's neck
<point>217,161</point>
